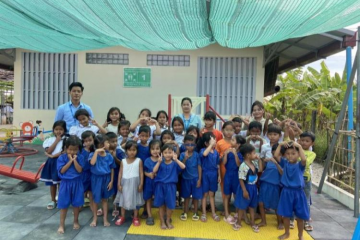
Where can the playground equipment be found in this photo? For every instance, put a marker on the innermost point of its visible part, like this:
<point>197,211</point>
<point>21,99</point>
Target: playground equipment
<point>8,149</point>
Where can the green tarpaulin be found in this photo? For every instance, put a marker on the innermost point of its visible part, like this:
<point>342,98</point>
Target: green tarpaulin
<point>73,25</point>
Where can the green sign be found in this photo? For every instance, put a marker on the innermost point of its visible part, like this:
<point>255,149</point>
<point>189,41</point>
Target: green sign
<point>137,77</point>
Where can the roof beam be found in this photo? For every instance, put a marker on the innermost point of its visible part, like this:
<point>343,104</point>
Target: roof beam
<point>332,36</point>
<point>301,45</point>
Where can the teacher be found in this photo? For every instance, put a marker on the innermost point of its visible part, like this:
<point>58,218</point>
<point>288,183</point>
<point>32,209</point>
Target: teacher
<point>67,110</point>
<point>188,117</point>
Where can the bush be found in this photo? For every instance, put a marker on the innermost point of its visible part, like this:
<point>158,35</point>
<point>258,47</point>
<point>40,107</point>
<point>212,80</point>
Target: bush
<point>321,145</point>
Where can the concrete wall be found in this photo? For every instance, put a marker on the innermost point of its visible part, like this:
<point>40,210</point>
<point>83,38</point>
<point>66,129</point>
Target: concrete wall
<point>104,83</point>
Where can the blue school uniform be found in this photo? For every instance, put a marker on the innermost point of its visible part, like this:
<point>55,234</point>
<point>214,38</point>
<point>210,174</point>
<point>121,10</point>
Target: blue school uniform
<point>292,197</point>
<point>101,176</point>
<point>231,178</point>
<point>143,152</point>
<point>190,177</point>
<point>165,184</point>
<point>250,178</point>
<point>120,155</point>
<point>86,173</point>
<point>71,188</point>
<point>49,173</point>
<point>149,186</point>
<point>210,165</point>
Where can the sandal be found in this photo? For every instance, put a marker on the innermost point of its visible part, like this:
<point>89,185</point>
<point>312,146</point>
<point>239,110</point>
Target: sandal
<point>51,205</point>
<point>230,220</point>
<point>150,221</point>
<point>203,218</point>
<point>195,217</point>
<point>136,222</point>
<point>292,225</point>
<point>216,217</point>
<point>115,213</point>
<point>255,228</point>
<point>120,221</point>
<point>99,212</point>
<point>308,227</point>
<point>236,227</point>
<point>183,217</point>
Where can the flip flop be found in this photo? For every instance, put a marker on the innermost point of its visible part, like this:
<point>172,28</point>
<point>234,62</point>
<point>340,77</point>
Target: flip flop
<point>236,227</point>
<point>183,217</point>
<point>230,220</point>
<point>115,213</point>
<point>195,217</point>
<point>203,218</point>
<point>216,218</point>
<point>99,212</point>
<point>51,205</point>
<point>255,228</point>
<point>150,221</point>
<point>308,227</point>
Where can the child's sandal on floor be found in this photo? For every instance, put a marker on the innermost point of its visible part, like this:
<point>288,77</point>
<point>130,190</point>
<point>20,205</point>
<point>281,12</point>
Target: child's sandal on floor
<point>195,217</point>
<point>183,217</point>
<point>236,227</point>
<point>51,205</point>
<point>99,212</point>
<point>120,221</point>
<point>203,218</point>
<point>150,221</point>
<point>308,227</point>
<point>115,213</point>
<point>216,217</point>
<point>230,220</point>
<point>292,225</point>
<point>255,228</point>
<point>136,222</point>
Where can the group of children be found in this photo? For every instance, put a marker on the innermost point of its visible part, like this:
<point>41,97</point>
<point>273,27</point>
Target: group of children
<point>262,165</point>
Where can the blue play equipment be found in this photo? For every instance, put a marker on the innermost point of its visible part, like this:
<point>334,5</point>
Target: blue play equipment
<point>356,235</point>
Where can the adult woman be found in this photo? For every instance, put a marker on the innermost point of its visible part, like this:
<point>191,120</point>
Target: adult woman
<point>188,117</point>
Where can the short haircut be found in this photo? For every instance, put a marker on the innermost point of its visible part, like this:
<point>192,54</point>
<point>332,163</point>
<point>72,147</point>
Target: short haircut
<point>76,84</point>
<point>209,115</point>
<point>111,135</point>
<point>87,134</point>
<point>189,138</point>
<point>309,134</point>
<point>82,112</point>
<point>154,142</point>
<point>255,124</point>
<point>237,119</point>
<point>124,123</point>
<point>73,140</point>
<point>240,139</point>
<point>167,146</point>
<point>228,123</point>
<point>130,144</point>
<point>167,132</point>
<point>246,149</point>
<point>291,146</point>
<point>273,128</point>
<point>145,129</point>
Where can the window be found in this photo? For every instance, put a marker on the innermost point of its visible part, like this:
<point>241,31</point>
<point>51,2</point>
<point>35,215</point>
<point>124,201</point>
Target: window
<point>107,58</point>
<point>168,60</point>
<point>45,79</point>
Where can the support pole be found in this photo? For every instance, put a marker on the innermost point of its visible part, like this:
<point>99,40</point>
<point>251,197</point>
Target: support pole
<point>169,111</point>
<point>357,152</point>
<point>338,124</point>
<point>350,101</point>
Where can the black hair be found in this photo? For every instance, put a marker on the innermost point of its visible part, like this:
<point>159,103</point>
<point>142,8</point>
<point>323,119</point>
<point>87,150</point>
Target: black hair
<point>130,144</point>
<point>205,139</point>
<point>291,146</point>
<point>273,128</point>
<point>240,139</point>
<point>309,134</point>
<point>82,112</point>
<point>255,124</point>
<point>298,124</point>
<point>161,112</point>
<point>192,128</point>
<point>87,134</point>
<point>257,103</point>
<point>60,123</point>
<point>190,138</point>
<point>167,132</point>
<point>76,84</point>
<point>145,129</point>
<point>73,140</point>
<point>145,110</point>
<point>209,115</point>
<point>179,120</point>
<point>274,147</point>
<point>167,146</point>
<point>237,119</point>
<point>154,142</point>
<point>186,99</point>
<point>111,135</point>
<point>228,123</point>
<point>246,149</point>
<point>123,123</point>
<point>98,140</point>
<point>121,116</point>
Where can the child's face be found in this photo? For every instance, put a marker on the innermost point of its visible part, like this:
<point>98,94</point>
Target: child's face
<point>155,150</point>
<point>106,145</point>
<point>88,142</point>
<point>254,132</point>
<point>306,142</point>
<point>115,116</point>
<point>58,131</point>
<point>292,155</point>
<point>193,133</point>
<point>83,120</point>
<point>228,131</point>
<point>233,143</point>
<point>166,138</point>
<point>131,152</point>
<point>257,112</point>
<point>209,123</point>
<point>72,150</point>
<point>124,131</point>
<point>273,137</point>
<point>178,127</point>
<point>251,156</point>
<point>144,137</point>
<point>237,127</point>
<point>113,143</point>
<point>144,114</point>
<point>190,145</point>
<point>162,119</point>
<point>168,154</point>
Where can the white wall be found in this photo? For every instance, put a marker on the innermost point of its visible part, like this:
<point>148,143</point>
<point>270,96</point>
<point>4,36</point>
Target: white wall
<point>104,83</point>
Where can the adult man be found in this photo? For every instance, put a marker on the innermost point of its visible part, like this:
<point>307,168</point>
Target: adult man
<point>67,110</point>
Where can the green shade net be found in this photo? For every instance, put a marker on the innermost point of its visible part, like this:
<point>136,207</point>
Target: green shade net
<point>158,25</point>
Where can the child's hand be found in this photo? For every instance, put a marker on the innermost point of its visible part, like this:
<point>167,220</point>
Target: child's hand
<point>58,138</point>
<point>124,140</point>
<point>233,150</point>
<point>152,175</point>
<point>136,139</point>
<point>119,188</point>
<point>268,116</point>
<point>198,183</point>
<point>140,188</point>
<point>74,158</point>
<point>160,158</point>
<point>277,121</point>
<point>153,121</point>
<point>110,186</point>
<point>49,155</point>
<point>175,156</point>
<point>272,160</point>
<point>106,123</point>
<point>100,150</point>
<point>212,141</point>
<point>94,122</point>
<point>246,195</point>
<point>227,151</point>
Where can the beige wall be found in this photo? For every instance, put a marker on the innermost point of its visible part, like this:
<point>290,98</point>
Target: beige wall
<point>104,83</point>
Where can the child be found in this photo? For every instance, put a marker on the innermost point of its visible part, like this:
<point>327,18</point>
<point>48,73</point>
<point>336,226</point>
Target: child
<point>69,166</point>
<point>143,151</point>
<point>211,173</point>
<point>191,177</point>
<point>254,136</point>
<point>232,160</point>
<point>167,172</point>
<point>162,119</point>
<point>168,137</point>
<point>210,121</point>
<point>144,120</point>
<point>194,131</point>
<point>87,141</point>
<point>238,126</point>
<point>102,176</point>
<point>270,178</point>
<point>178,130</point>
<point>123,132</point>
<point>307,140</point>
<point>149,186</point>
<point>130,184</point>
<point>83,116</point>
<point>246,194</point>
<point>292,198</point>
<point>112,120</point>
<point>257,112</point>
<point>53,147</point>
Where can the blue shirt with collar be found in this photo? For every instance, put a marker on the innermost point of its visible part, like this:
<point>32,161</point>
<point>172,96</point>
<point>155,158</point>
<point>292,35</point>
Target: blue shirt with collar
<point>67,112</point>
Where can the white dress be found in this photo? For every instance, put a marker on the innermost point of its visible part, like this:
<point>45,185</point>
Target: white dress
<point>130,197</point>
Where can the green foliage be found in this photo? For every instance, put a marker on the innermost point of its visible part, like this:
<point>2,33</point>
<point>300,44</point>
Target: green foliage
<point>321,145</point>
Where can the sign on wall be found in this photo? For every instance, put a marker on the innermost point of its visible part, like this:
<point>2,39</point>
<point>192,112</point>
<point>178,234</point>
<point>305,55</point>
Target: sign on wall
<point>137,77</point>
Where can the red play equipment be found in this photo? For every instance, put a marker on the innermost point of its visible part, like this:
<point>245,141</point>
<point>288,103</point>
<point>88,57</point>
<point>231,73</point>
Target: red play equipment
<point>20,174</point>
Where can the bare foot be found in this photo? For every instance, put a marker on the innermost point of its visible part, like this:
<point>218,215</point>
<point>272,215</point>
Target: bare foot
<point>163,226</point>
<point>76,226</point>
<point>60,230</point>
<point>106,224</point>
<point>280,226</point>
<point>284,236</point>
<point>262,224</point>
<point>301,238</point>
<point>169,225</point>
<point>93,223</point>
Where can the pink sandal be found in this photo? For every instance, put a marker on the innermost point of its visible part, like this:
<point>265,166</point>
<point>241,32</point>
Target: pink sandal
<point>136,222</point>
<point>230,220</point>
<point>120,221</point>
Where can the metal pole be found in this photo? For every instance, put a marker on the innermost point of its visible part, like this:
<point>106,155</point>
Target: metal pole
<point>357,152</point>
<point>350,101</point>
<point>334,137</point>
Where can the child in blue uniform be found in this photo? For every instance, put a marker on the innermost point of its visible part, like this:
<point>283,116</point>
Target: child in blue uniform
<point>191,177</point>
<point>143,146</point>
<point>210,161</point>
<point>87,141</point>
<point>292,197</point>
<point>85,124</point>
<point>123,132</point>
<point>167,172</point>
<point>232,160</point>
<point>145,120</point>
<point>102,176</point>
<point>69,166</point>
<point>149,184</point>
<point>246,194</point>
<point>53,147</point>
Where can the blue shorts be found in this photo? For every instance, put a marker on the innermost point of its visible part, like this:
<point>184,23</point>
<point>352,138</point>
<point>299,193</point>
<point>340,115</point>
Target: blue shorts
<point>71,192</point>
<point>165,194</point>
<point>293,200</point>
<point>149,188</point>
<point>241,202</point>
<point>269,195</point>
<point>188,188</point>
<point>99,184</point>
<point>86,180</point>
<point>209,181</point>
<point>231,182</point>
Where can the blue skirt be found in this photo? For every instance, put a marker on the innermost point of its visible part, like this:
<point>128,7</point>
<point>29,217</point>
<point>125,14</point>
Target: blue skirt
<point>269,195</point>
<point>99,184</point>
<point>71,192</point>
<point>241,202</point>
<point>231,182</point>
<point>49,173</point>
